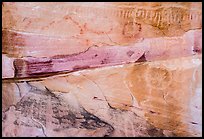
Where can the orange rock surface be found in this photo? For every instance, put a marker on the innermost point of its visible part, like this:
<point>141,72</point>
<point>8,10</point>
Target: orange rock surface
<point>101,69</point>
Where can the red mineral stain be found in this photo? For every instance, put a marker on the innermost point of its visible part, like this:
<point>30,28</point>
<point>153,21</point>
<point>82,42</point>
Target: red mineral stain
<point>20,68</point>
<point>80,67</point>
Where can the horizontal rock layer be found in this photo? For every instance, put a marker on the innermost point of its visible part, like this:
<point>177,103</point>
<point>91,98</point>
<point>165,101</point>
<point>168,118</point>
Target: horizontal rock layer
<point>146,50</point>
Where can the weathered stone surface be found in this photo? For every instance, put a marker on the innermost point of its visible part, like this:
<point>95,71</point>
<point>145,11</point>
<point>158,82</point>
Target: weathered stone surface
<point>101,69</point>
<point>161,98</point>
<point>42,114</point>
<point>149,49</point>
<point>77,26</point>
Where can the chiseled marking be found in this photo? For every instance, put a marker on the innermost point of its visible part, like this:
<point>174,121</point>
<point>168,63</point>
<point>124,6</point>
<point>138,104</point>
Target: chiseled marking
<point>146,14</point>
<point>137,12</point>
<point>165,15</point>
<point>169,12</point>
<point>162,17</point>
<point>130,13</point>
<point>140,13</point>
<point>134,13</point>
<point>191,16</point>
<point>125,13</point>
<point>178,17</point>
<point>172,17</point>
<point>159,18</point>
<point>183,17</point>
<point>143,13</point>
<point>155,17</point>
<point>175,17</point>
<point>121,13</point>
<point>151,14</point>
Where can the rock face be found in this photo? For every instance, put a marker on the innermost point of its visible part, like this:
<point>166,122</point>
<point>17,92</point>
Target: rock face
<point>146,50</point>
<point>101,69</point>
<point>163,98</point>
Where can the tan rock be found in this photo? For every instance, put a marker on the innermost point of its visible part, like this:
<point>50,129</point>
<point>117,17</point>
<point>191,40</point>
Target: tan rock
<point>156,96</point>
